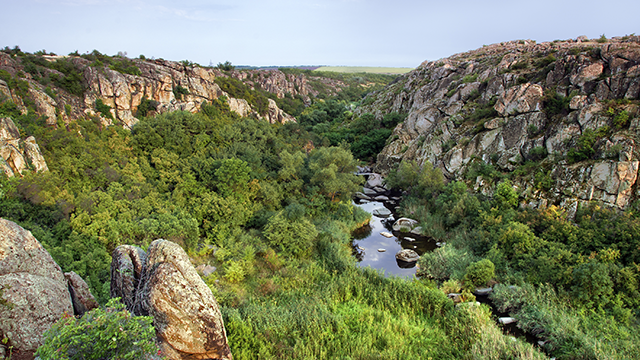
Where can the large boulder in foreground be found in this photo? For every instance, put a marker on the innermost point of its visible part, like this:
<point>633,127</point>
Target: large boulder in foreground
<point>34,286</point>
<point>186,315</point>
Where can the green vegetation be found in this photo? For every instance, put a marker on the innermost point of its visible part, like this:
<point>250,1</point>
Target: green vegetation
<point>103,109</point>
<point>333,123</point>
<point>103,333</point>
<point>570,276</point>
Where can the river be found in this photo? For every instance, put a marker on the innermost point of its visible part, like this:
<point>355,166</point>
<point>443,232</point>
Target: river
<point>367,241</point>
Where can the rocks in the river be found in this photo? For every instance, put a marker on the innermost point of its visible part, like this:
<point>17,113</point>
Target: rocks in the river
<point>410,239</point>
<point>440,244</point>
<point>380,189</point>
<point>382,250</point>
<point>417,230</point>
<point>374,180</point>
<point>506,320</point>
<point>186,315</point>
<point>404,224</point>
<point>382,212</point>
<point>407,255</point>
<point>34,286</point>
<point>381,198</point>
<point>386,234</point>
<point>362,196</point>
<point>483,291</point>
<point>368,192</point>
<point>81,297</point>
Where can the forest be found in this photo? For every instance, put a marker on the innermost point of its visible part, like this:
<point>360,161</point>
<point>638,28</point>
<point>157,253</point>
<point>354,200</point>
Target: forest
<point>270,206</point>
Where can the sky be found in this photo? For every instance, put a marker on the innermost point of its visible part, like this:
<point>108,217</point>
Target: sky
<point>396,33</point>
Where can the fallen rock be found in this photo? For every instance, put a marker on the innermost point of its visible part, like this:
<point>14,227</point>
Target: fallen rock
<point>186,315</point>
<point>407,255</point>
<point>81,297</point>
<point>205,270</point>
<point>386,234</point>
<point>382,250</point>
<point>381,198</point>
<point>410,239</point>
<point>35,287</point>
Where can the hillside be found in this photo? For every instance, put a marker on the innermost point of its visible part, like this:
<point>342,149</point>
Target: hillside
<point>120,90</point>
<point>561,116</point>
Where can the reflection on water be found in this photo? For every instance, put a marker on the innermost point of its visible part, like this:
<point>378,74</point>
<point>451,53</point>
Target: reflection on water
<point>367,243</point>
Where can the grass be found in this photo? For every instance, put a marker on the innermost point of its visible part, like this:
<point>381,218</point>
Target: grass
<point>365,69</point>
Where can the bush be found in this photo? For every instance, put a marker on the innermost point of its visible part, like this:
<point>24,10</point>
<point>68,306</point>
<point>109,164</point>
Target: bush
<point>505,196</point>
<point>103,333</point>
<point>103,109</point>
<point>293,237</point>
<point>478,273</point>
<point>444,263</point>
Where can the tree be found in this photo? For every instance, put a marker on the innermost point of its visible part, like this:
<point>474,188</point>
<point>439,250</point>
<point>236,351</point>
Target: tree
<point>333,170</point>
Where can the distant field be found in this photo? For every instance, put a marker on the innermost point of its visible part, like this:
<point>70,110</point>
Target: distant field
<point>364,69</point>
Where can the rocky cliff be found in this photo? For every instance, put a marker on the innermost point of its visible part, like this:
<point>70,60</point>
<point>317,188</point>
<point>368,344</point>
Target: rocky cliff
<point>17,155</point>
<point>561,117</point>
<point>170,85</point>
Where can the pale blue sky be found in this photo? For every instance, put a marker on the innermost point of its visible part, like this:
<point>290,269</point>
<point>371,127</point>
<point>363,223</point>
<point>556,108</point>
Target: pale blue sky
<point>286,32</point>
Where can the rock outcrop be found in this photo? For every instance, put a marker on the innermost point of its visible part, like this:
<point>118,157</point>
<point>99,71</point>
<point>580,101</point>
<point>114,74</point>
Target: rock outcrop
<point>34,286</point>
<point>169,85</point>
<point>186,315</point>
<point>127,266</point>
<point>571,106</point>
<point>17,155</point>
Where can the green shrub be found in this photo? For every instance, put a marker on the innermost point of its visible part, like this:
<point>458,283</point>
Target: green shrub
<point>444,263</point>
<point>545,61</point>
<point>103,109</point>
<point>470,78</point>
<point>505,196</point>
<point>602,39</point>
<point>555,104</point>
<point>292,237</point>
<point>179,91</point>
<point>538,153</point>
<point>146,106</point>
<point>478,273</point>
<point>104,333</point>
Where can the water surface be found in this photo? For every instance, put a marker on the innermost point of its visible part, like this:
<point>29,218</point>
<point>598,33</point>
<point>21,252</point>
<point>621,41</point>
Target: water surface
<point>367,240</point>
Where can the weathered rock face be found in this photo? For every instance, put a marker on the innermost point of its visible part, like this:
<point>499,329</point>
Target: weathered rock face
<point>127,265</point>
<point>81,296</point>
<point>164,82</point>
<point>17,155</point>
<point>186,315</point>
<point>508,103</point>
<point>34,284</point>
